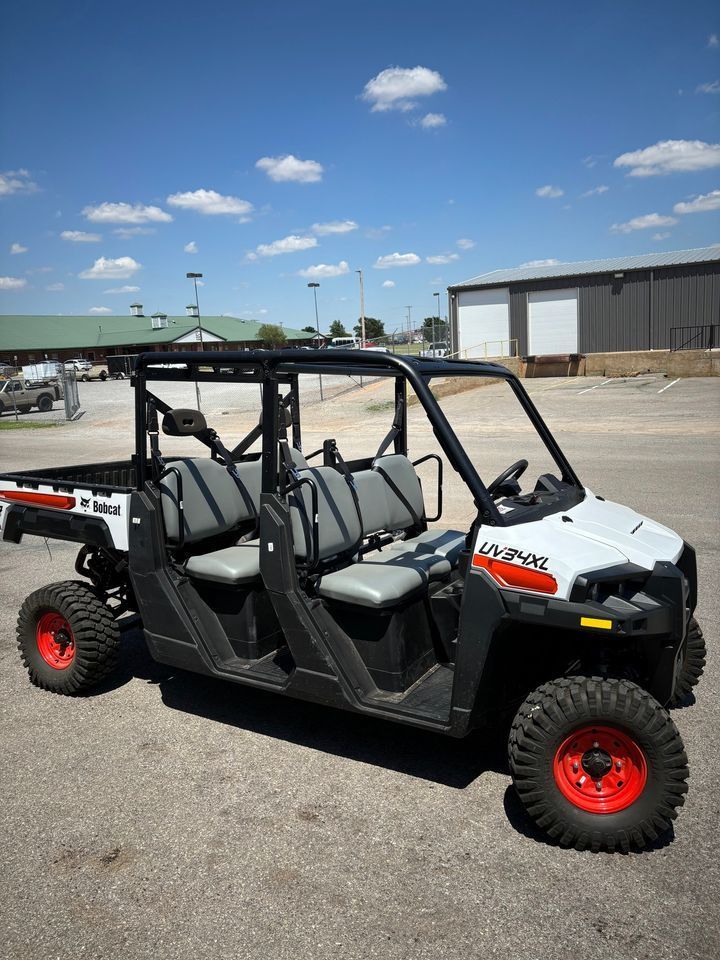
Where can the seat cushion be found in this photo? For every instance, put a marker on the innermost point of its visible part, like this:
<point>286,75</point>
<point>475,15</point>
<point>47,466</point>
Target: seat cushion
<point>445,543</point>
<point>372,584</point>
<point>433,565</point>
<point>238,564</point>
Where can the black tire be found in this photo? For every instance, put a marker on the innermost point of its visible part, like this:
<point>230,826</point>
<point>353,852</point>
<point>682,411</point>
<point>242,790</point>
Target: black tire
<point>45,403</point>
<point>92,632</point>
<point>85,378</point>
<point>559,712</point>
<point>103,376</point>
<point>692,666</point>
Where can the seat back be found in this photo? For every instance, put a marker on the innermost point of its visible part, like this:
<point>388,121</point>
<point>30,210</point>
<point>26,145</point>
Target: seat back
<point>211,500</point>
<point>339,528</point>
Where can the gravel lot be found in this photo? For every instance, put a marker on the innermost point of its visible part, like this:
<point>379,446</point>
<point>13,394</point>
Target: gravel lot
<point>174,816</point>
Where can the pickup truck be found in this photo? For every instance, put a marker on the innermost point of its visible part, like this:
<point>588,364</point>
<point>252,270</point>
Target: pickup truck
<point>17,394</point>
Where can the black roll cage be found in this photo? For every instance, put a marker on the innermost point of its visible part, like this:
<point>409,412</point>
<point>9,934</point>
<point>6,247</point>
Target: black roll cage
<point>274,368</point>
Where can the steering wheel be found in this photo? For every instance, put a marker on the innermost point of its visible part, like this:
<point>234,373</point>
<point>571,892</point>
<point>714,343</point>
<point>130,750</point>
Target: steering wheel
<point>512,473</point>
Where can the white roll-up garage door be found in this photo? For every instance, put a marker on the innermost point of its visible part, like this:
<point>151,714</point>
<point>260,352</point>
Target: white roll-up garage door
<point>483,323</point>
<point>552,321</point>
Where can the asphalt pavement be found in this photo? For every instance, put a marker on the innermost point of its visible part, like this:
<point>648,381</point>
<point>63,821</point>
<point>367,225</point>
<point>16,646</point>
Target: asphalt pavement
<point>173,816</point>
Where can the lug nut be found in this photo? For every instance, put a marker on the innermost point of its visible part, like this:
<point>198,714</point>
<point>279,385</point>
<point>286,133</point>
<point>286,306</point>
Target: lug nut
<point>618,766</point>
<point>598,785</point>
<point>575,767</point>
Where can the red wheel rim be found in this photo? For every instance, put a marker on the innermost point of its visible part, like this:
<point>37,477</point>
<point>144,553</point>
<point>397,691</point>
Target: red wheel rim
<point>600,769</point>
<point>55,640</point>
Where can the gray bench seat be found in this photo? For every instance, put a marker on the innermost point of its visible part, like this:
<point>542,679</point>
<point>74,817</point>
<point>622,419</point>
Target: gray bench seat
<point>382,582</point>
<point>233,565</point>
<point>444,543</point>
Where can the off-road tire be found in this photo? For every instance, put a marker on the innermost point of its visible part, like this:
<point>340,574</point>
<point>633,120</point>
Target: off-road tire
<point>558,711</point>
<point>95,637</point>
<point>45,403</point>
<point>692,666</point>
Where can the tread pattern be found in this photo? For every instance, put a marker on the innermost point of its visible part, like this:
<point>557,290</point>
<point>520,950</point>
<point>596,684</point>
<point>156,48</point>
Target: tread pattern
<point>97,639</point>
<point>693,664</point>
<point>545,719</point>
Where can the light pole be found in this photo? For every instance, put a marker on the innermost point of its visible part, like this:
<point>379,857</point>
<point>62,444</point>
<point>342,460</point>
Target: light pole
<point>195,277</point>
<point>409,319</point>
<point>314,288</point>
<point>438,316</point>
<point>362,309</point>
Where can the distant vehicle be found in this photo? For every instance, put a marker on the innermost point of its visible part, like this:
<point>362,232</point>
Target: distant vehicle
<point>79,365</point>
<point>436,351</point>
<point>98,371</point>
<point>42,372</point>
<point>344,343</point>
<point>121,366</point>
<point>21,395</point>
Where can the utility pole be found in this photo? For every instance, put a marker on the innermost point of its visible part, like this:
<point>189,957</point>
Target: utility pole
<point>409,320</point>
<point>362,309</point>
<point>314,288</point>
<point>195,277</point>
<point>438,316</point>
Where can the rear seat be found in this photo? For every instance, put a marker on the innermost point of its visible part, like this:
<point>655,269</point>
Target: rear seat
<point>391,499</point>
<point>212,505</point>
<point>382,581</point>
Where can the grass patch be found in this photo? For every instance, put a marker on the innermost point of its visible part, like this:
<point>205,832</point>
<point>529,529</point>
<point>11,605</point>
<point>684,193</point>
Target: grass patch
<point>380,406</point>
<point>27,424</point>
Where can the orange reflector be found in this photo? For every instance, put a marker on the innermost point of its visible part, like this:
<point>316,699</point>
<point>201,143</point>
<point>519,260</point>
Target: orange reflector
<point>511,575</point>
<point>57,500</point>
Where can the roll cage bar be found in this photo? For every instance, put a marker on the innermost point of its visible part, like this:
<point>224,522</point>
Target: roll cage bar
<point>274,368</point>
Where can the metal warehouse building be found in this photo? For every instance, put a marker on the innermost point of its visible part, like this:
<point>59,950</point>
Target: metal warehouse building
<point>654,302</point>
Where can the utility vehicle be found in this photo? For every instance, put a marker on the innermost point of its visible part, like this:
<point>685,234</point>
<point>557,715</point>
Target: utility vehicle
<point>318,577</point>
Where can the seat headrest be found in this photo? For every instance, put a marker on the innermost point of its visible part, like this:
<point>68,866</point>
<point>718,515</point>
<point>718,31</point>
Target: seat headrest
<point>183,423</point>
<point>287,417</point>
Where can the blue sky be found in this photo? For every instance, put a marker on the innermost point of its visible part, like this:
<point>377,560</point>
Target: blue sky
<point>419,132</point>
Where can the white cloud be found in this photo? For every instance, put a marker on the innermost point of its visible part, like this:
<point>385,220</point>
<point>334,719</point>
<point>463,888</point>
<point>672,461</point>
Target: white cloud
<point>125,233</point>
<point>549,191</point>
<point>99,310</point>
<point>590,161</point>
<point>124,289</point>
<point>291,169</point>
<point>395,88</point>
<point>433,120</point>
<point>55,287</point>
<point>334,226</point>
<point>12,283</point>
<point>442,258</point>
<point>702,204</point>
<point>713,41</point>
<point>661,236</point>
<point>191,247</point>
<point>645,222</point>
<point>79,236</point>
<point>210,203</point>
<point>378,233</point>
<point>465,244</point>
<point>670,156</point>
<point>108,269</point>
<point>388,284</point>
<point>712,87</point>
<point>291,244</point>
<point>596,191</point>
<point>16,181</point>
<point>396,260</point>
<point>325,270</point>
<point>540,263</point>
<point>16,248</point>
<point>125,213</point>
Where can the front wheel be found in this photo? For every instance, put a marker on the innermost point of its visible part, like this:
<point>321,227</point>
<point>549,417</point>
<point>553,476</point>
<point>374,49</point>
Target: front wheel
<point>598,763</point>
<point>45,403</point>
<point>67,637</point>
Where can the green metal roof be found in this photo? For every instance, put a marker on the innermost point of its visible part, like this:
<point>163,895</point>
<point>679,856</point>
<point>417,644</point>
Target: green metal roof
<point>85,333</point>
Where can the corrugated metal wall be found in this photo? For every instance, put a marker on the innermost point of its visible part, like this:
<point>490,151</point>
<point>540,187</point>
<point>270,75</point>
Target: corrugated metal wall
<point>616,315</point>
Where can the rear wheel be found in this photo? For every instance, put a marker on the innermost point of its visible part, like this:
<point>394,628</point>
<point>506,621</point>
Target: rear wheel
<point>692,666</point>
<point>45,403</point>
<point>598,763</point>
<point>67,637</point>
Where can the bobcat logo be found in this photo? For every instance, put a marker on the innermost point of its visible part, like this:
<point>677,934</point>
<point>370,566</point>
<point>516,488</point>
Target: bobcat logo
<point>85,503</point>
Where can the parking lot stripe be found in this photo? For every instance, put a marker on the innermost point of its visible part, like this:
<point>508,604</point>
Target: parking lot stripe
<point>595,387</point>
<point>668,386</point>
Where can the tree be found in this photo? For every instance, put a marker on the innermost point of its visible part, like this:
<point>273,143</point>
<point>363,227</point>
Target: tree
<point>434,329</point>
<point>337,329</point>
<point>272,335</point>
<point>309,330</point>
<point>374,329</point>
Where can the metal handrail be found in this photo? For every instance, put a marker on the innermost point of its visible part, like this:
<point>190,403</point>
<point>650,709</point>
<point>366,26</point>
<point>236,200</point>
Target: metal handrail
<point>512,350</point>
<point>701,331</point>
